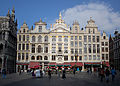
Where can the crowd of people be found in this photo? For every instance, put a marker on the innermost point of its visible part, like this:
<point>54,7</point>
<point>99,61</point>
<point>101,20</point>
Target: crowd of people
<point>103,73</point>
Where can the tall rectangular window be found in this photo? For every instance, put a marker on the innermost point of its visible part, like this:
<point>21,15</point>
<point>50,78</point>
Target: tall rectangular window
<point>98,39</point>
<point>76,43</point>
<point>85,38</point>
<point>27,46</point>
<point>72,44</point>
<point>85,48</point>
<point>26,56</point>
<point>93,38</point>
<point>71,37</point>
<point>80,51</point>
<point>19,56</point>
<point>85,57</point>
<point>90,58</point>
<point>23,46</point>
<point>80,58</point>
<point>40,28</point>
<point>103,58</point>
<point>19,37</point>
<point>53,57</point>
<point>27,37</point>
<point>89,47</point>
<point>72,51</point>
<point>19,47</point>
<point>72,58</point>
<point>80,44</point>
<point>75,37</point>
<point>33,48</point>
<point>80,37</point>
<point>89,38</point>
<point>22,56</point>
<point>98,48</point>
<point>23,37</point>
<point>94,48</point>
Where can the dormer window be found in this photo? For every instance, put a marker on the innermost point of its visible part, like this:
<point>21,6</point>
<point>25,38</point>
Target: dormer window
<point>75,29</point>
<point>23,30</point>
<point>89,30</point>
<point>40,28</point>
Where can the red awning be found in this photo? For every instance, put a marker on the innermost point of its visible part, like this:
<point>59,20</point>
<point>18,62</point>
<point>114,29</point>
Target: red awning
<point>92,63</point>
<point>32,64</point>
<point>66,63</point>
<point>77,63</point>
<point>21,64</point>
<point>52,63</point>
<point>107,63</point>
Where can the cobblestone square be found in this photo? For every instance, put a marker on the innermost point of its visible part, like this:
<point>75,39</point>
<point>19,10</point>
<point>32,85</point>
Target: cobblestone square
<point>80,79</point>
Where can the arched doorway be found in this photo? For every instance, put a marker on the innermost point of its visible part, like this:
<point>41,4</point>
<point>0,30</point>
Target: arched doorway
<point>0,64</point>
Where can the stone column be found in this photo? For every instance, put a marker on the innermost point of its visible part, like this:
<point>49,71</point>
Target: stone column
<point>83,67</point>
<point>43,65</point>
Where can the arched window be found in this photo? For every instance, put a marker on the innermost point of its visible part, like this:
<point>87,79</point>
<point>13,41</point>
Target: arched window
<point>33,58</point>
<point>46,38</point>
<point>39,49</point>
<point>38,57</point>
<point>33,38</point>
<point>39,38</point>
<point>45,58</point>
<point>23,30</point>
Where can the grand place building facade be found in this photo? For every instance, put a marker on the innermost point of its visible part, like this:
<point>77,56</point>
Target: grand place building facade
<point>61,46</point>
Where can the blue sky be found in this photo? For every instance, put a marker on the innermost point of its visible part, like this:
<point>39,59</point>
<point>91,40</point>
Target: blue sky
<point>32,10</point>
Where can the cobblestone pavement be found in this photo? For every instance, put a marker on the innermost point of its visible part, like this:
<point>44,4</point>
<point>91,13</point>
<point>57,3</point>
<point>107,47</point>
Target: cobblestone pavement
<point>83,79</point>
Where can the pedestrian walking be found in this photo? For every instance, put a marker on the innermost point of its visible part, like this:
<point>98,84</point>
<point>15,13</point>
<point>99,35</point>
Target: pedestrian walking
<point>43,72</point>
<point>20,72</point>
<point>113,72</point>
<point>63,74</point>
<point>4,73</point>
<point>74,71</point>
<point>58,73</point>
<point>102,74</point>
<point>107,73</point>
<point>49,73</point>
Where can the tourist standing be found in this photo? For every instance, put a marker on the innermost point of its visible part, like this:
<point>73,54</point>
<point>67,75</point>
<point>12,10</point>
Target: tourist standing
<point>4,73</point>
<point>74,71</point>
<point>63,74</point>
<point>107,73</point>
<point>49,73</point>
<point>113,72</point>
<point>58,73</point>
<point>102,74</point>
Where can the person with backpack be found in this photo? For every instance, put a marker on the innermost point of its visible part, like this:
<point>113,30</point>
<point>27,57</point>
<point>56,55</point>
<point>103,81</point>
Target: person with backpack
<point>4,73</point>
<point>107,73</point>
<point>102,74</point>
<point>113,73</point>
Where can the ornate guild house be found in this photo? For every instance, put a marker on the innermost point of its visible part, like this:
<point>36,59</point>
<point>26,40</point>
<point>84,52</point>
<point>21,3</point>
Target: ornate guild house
<point>8,42</point>
<point>61,46</point>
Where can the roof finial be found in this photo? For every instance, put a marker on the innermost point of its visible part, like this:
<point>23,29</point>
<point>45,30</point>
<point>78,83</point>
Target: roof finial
<point>24,22</point>
<point>40,20</point>
<point>13,10</point>
<point>90,17</point>
<point>60,17</point>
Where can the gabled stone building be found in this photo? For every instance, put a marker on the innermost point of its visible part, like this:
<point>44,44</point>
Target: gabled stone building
<point>62,46</point>
<point>8,42</point>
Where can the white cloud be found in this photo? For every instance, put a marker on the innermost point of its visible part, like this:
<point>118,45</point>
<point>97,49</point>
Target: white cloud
<point>104,16</point>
